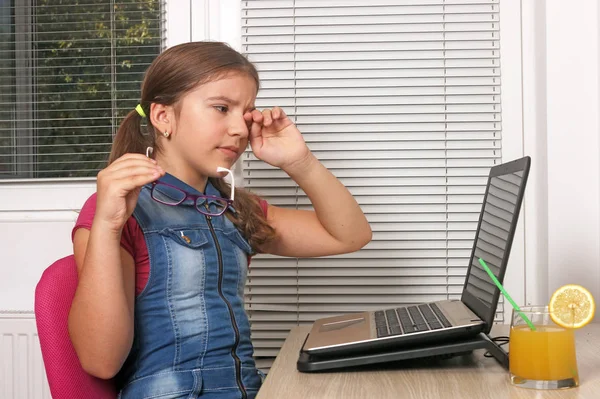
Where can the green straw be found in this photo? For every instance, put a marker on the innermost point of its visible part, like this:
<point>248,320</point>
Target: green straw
<point>514,305</point>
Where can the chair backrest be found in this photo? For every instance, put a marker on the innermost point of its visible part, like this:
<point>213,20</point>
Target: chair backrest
<point>53,297</point>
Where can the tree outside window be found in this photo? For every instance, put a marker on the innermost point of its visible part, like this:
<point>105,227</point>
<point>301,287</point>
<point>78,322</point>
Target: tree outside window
<point>70,71</point>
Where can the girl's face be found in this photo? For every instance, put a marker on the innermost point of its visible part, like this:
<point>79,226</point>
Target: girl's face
<point>210,130</point>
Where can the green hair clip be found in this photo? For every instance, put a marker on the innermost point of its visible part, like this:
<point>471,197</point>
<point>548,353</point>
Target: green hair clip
<point>140,110</point>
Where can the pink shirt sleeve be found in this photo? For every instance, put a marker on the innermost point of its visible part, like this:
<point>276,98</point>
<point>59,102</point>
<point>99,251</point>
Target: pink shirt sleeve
<point>132,240</point>
<point>264,205</point>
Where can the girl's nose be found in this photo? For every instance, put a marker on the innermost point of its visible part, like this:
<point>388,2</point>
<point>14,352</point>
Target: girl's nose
<point>239,127</point>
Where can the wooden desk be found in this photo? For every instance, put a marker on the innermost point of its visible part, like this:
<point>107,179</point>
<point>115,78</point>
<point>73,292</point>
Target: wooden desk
<point>472,376</point>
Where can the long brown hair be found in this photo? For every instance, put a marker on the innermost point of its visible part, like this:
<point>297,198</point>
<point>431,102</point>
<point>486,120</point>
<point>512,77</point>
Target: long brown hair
<point>174,73</point>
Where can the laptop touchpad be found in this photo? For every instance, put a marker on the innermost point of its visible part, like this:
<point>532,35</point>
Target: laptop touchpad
<point>341,324</point>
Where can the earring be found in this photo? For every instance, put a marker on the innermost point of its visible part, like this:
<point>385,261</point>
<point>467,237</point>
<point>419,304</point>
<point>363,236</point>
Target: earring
<point>166,134</point>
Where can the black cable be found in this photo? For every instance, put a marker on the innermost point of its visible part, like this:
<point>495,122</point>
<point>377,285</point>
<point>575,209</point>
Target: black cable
<point>502,340</point>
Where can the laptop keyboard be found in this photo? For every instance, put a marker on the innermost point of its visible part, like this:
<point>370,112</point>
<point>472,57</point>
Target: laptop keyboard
<point>409,319</point>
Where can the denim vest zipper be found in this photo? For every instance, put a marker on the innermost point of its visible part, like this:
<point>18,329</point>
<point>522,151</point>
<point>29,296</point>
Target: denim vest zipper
<point>238,363</point>
<point>183,345</point>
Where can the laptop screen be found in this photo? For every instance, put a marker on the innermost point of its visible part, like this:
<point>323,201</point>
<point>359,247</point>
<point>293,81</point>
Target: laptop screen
<point>494,236</point>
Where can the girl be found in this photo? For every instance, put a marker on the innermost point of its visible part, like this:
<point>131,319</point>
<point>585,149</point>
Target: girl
<point>165,243</point>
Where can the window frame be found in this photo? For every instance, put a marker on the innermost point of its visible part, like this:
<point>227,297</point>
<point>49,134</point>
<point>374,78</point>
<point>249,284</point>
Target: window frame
<point>43,197</point>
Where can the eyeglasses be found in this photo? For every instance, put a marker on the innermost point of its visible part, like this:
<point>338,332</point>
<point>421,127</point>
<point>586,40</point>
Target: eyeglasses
<point>208,205</point>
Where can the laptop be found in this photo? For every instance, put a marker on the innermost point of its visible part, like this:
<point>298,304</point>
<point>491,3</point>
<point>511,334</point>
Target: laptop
<point>441,320</point>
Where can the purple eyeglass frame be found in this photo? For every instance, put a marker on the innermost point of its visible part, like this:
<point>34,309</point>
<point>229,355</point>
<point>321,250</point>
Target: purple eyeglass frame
<point>194,197</point>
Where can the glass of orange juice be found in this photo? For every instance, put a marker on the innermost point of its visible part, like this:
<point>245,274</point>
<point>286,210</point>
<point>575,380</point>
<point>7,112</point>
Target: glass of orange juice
<point>543,358</point>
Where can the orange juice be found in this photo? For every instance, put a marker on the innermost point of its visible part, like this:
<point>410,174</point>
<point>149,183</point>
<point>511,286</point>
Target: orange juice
<point>545,354</point>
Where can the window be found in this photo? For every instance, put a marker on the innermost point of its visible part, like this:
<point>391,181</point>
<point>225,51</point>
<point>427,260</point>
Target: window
<point>70,71</point>
<point>401,101</point>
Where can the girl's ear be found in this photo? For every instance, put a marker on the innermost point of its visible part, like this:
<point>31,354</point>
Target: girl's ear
<point>162,117</point>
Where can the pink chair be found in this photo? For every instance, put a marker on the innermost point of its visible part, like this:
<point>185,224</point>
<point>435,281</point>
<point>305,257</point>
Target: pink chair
<point>53,296</point>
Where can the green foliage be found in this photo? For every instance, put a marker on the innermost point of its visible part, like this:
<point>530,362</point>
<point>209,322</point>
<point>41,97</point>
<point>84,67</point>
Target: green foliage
<point>88,60</point>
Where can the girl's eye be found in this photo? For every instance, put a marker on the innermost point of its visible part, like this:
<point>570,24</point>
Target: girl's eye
<point>221,108</point>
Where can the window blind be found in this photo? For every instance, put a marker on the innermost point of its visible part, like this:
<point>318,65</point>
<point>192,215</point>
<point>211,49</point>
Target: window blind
<point>401,101</point>
<point>70,71</point>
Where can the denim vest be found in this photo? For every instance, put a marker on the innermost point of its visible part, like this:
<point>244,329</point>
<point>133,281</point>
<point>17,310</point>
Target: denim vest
<point>192,335</point>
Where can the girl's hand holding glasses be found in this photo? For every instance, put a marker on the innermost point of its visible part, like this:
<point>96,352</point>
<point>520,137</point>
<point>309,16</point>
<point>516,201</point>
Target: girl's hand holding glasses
<point>119,186</point>
<point>275,139</point>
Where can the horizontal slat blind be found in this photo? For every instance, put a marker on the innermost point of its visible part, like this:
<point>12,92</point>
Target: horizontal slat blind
<point>401,101</point>
<point>69,72</point>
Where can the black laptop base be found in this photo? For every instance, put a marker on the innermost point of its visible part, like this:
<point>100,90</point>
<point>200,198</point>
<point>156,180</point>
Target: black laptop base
<point>432,351</point>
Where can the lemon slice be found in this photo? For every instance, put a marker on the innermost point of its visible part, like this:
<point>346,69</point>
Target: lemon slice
<point>572,306</point>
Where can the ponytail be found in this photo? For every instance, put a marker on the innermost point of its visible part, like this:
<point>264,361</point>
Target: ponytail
<point>249,218</point>
<point>129,138</point>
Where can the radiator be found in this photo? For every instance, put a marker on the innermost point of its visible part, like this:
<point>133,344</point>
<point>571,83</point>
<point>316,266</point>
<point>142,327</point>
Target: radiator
<point>22,374</point>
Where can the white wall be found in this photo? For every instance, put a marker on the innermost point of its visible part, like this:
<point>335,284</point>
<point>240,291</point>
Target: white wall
<point>535,143</point>
<point>561,110</point>
<point>573,144</point>
<point>35,229</point>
